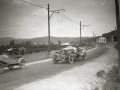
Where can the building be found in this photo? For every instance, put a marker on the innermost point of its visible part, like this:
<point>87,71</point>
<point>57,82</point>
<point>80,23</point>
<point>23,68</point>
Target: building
<point>102,40</point>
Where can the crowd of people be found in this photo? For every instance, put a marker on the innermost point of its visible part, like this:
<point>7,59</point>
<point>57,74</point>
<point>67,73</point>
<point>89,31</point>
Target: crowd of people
<point>23,51</point>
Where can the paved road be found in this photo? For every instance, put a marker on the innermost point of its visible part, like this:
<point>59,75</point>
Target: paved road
<point>11,79</point>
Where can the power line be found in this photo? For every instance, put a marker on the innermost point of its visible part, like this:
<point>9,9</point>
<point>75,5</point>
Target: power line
<point>67,18</point>
<point>47,9</point>
<point>33,4</point>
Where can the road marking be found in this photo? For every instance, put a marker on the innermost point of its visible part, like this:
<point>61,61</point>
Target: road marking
<point>49,59</point>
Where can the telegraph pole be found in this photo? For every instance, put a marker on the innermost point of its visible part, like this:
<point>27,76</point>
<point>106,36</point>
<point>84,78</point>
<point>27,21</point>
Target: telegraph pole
<point>49,16</point>
<point>93,38</point>
<point>48,29</point>
<point>80,33</point>
<point>81,27</point>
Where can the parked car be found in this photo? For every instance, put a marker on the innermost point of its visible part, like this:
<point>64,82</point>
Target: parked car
<point>10,61</point>
<point>70,54</point>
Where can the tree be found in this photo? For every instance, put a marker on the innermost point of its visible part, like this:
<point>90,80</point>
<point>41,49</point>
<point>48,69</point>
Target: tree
<point>59,42</point>
<point>29,43</point>
<point>12,43</point>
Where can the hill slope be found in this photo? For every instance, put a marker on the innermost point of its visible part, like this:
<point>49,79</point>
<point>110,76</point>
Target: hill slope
<point>41,40</point>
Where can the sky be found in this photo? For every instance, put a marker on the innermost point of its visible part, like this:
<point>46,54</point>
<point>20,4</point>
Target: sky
<point>19,19</point>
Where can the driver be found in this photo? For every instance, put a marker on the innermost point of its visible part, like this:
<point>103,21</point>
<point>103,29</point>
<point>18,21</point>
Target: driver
<point>77,49</point>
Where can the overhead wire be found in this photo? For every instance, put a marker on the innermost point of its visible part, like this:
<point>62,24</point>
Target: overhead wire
<point>47,9</point>
<point>67,18</point>
<point>34,4</point>
<point>59,14</point>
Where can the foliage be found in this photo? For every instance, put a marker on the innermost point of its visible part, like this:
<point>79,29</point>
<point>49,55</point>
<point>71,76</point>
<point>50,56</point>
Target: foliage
<point>108,35</point>
<point>12,43</point>
<point>59,42</point>
<point>112,82</point>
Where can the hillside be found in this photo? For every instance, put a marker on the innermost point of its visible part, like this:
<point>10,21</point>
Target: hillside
<point>41,40</point>
<point>109,35</point>
<point>5,40</point>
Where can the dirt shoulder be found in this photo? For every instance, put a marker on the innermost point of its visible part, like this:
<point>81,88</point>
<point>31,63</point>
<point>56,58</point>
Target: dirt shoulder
<point>79,78</point>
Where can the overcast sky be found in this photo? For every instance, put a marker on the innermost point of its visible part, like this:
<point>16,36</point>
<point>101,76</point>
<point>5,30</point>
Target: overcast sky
<point>22,20</point>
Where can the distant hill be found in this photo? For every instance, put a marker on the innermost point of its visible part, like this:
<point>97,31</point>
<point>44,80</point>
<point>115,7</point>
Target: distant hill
<point>44,40</point>
<point>5,40</point>
<point>41,40</point>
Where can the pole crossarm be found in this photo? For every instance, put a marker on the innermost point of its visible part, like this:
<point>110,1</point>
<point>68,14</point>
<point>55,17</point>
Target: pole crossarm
<point>55,11</point>
<point>81,27</point>
<point>85,26</point>
<point>49,16</point>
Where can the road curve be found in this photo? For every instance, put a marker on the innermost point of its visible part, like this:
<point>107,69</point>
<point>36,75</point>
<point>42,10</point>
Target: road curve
<point>17,77</point>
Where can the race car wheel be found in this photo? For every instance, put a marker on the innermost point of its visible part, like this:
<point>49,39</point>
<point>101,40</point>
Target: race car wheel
<point>1,67</point>
<point>22,63</point>
<point>10,67</point>
<point>55,59</point>
<point>71,58</point>
<point>85,56</point>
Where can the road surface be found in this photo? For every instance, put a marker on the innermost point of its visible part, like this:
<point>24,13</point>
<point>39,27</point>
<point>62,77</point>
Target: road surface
<point>11,79</point>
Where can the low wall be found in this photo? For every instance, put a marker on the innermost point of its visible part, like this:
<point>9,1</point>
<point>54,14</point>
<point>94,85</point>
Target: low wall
<point>36,56</point>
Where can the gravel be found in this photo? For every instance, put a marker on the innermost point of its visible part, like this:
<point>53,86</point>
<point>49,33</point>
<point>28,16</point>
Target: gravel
<point>79,78</point>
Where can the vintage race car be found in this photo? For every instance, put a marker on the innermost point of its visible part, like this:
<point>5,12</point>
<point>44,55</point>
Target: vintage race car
<point>70,53</point>
<point>10,61</point>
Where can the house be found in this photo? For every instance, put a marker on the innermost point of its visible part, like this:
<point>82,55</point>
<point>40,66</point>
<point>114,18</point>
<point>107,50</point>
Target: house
<point>102,40</point>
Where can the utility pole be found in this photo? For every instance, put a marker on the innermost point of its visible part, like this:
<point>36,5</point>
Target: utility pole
<point>48,29</point>
<point>81,27</point>
<point>80,33</point>
<point>49,16</point>
<point>93,38</point>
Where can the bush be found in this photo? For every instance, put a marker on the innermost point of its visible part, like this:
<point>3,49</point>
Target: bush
<point>112,80</point>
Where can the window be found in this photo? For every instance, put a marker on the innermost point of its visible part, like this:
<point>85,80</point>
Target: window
<point>104,39</point>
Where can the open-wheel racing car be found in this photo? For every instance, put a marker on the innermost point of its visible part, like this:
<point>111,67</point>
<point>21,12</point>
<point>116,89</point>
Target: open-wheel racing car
<point>10,61</point>
<point>70,54</point>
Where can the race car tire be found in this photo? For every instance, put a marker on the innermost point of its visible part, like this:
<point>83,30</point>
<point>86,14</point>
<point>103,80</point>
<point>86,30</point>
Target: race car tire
<point>71,58</point>
<point>84,56</point>
<point>21,63</point>
<point>55,59</point>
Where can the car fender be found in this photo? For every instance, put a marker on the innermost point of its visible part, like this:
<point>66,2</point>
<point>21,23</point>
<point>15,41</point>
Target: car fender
<point>56,53</point>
